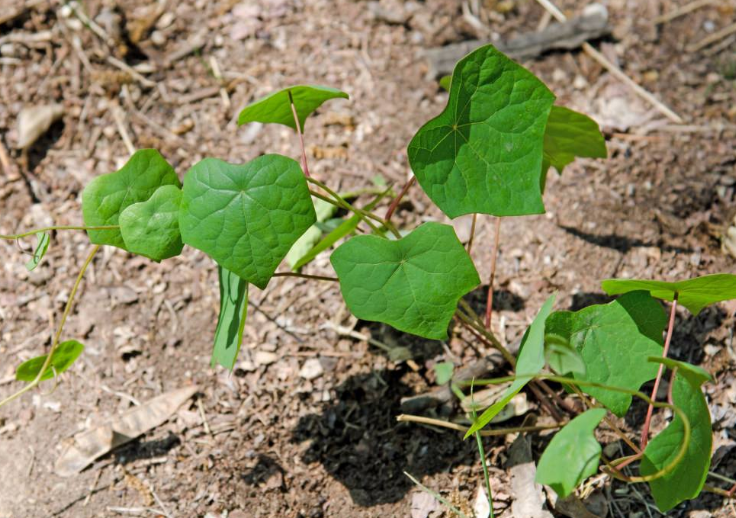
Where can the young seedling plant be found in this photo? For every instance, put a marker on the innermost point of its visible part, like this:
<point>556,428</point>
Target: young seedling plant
<point>488,152</point>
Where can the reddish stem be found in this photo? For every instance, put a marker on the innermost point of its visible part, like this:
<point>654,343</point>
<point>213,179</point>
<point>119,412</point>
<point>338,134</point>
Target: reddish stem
<point>489,301</point>
<point>305,167</point>
<point>397,200</point>
<point>650,410</point>
<point>628,461</point>
<point>732,491</point>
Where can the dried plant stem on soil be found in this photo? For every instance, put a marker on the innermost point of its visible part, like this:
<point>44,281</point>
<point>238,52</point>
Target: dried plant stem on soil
<point>613,69</point>
<point>685,9</point>
<point>407,418</point>
<point>709,40</point>
<point>494,257</point>
<point>650,410</point>
<point>57,336</point>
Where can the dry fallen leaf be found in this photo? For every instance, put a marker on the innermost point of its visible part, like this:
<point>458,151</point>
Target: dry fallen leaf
<point>35,121</point>
<point>422,504</point>
<point>92,444</point>
<point>527,495</point>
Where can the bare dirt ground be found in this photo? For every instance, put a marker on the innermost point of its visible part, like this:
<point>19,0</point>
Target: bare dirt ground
<point>266,441</point>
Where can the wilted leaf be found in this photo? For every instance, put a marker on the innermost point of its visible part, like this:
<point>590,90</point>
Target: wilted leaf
<point>87,446</point>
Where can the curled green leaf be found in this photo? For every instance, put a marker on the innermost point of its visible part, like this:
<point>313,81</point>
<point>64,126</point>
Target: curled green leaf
<point>64,356</point>
<point>276,108</point>
<point>686,479</point>
<point>42,245</point>
<point>694,294</point>
<point>573,454</point>
<point>570,134</point>
<point>231,321</point>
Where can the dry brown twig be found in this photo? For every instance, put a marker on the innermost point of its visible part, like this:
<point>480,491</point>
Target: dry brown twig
<point>682,11</point>
<point>614,70</point>
<point>713,38</point>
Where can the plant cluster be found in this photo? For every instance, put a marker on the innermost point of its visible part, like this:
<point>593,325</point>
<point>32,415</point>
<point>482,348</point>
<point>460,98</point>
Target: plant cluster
<point>488,152</point>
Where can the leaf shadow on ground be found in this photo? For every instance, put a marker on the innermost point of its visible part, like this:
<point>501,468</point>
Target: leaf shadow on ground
<point>503,300</point>
<point>358,441</point>
<point>621,244</point>
<point>141,449</point>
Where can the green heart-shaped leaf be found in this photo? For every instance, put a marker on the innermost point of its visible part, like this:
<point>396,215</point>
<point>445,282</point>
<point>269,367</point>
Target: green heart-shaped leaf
<point>151,228</point>
<point>65,355</point>
<point>276,108</point>
<point>686,480</point>
<point>105,197</point>
<point>41,247</point>
<point>572,455</point>
<point>530,362</point>
<point>694,294</point>
<point>246,217</point>
<point>231,321</point>
<point>615,341</point>
<point>570,134</point>
<point>483,153</point>
<point>412,284</point>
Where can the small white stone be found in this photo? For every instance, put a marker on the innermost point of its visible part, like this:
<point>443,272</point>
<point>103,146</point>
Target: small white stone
<point>311,369</point>
<point>265,358</point>
<point>711,350</point>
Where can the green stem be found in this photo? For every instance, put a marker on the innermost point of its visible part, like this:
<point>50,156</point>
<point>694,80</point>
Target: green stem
<point>366,216</point>
<point>687,429</point>
<point>57,336</point>
<point>13,237</point>
<point>306,276</point>
<point>482,453</point>
<point>488,335</point>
